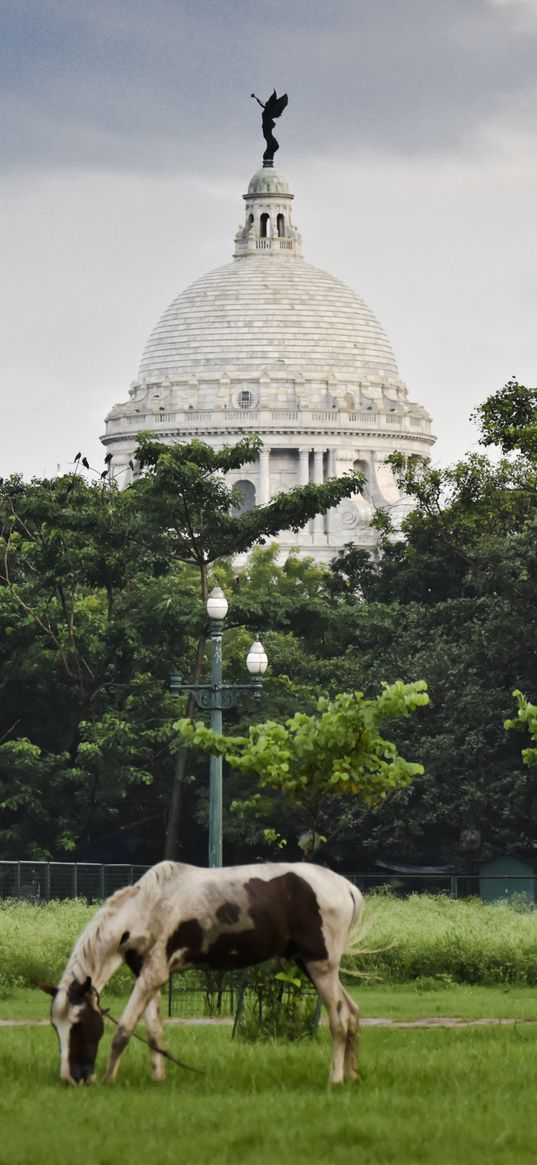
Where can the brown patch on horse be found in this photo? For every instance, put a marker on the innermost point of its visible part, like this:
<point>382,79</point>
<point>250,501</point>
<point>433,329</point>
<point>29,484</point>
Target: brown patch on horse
<point>84,1035</point>
<point>287,904</point>
<point>134,961</point>
<point>228,913</point>
<point>285,920</point>
<point>189,935</point>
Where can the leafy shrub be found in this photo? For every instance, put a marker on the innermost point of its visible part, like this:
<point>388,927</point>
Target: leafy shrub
<point>279,1003</point>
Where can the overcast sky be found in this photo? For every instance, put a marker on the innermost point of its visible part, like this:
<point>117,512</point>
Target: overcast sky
<point>409,142</point>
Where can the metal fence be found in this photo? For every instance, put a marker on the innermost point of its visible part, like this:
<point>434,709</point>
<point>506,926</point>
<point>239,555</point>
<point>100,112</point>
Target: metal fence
<point>512,888</point>
<point>43,881</point>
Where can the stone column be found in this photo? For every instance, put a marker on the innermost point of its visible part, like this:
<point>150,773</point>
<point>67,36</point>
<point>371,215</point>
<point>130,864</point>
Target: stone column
<point>303,466</point>
<point>318,477</point>
<point>264,478</point>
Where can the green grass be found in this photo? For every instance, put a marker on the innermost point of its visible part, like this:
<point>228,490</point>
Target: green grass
<point>435,937</point>
<point>427,1098</point>
<point>423,937</point>
<point>35,942</point>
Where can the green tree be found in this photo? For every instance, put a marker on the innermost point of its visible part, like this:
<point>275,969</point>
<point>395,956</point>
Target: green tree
<point>191,510</point>
<point>85,613</point>
<point>102,595</point>
<point>527,718</point>
<point>311,759</point>
<point>508,418</point>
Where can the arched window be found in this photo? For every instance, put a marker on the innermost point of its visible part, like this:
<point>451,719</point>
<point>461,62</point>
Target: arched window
<point>245,498</point>
<point>266,226</point>
<point>280,222</point>
<point>361,466</point>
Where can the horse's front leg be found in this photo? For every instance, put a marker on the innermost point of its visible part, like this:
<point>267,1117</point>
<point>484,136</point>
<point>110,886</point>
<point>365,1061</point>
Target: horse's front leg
<point>153,1023</point>
<point>149,982</point>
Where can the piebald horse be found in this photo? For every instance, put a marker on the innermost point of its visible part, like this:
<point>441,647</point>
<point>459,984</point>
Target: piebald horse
<point>178,917</point>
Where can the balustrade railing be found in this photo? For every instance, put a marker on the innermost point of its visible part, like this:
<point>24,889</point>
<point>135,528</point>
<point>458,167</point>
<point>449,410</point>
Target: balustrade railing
<point>269,418</point>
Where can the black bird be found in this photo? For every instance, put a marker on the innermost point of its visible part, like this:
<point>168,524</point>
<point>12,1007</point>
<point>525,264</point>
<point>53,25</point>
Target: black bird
<point>108,459</point>
<point>78,456</point>
<point>104,474</point>
<point>85,463</point>
<point>131,465</point>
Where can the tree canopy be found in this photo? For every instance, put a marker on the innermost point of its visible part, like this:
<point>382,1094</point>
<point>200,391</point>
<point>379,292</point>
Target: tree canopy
<point>102,596</point>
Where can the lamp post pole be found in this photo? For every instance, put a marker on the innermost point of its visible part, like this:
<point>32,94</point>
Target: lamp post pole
<point>215,762</point>
<point>215,698</point>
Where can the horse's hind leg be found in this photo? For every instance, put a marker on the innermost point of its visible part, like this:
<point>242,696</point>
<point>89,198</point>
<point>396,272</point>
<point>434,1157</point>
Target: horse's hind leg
<point>326,980</point>
<point>153,1023</point>
<point>350,1064</point>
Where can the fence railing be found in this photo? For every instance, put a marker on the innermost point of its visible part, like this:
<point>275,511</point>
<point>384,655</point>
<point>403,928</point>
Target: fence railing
<point>490,887</point>
<point>43,881</point>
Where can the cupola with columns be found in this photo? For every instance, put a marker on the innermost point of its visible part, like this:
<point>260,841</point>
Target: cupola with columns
<point>268,225</point>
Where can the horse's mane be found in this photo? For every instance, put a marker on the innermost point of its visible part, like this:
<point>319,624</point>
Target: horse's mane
<point>101,929</point>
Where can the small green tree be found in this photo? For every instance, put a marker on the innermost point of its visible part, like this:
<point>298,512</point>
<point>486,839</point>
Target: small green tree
<point>527,718</point>
<point>311,759</point>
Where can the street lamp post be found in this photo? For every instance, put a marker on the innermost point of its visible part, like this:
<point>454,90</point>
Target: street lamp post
<point>216,697</point>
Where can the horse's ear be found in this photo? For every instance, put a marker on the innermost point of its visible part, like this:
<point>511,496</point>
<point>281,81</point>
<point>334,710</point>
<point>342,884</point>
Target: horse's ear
<point>77,990</point>
<point>50,990</point>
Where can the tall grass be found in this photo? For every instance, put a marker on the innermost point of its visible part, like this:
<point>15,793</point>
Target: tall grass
<point>423,937</point>
<point>435,937</point>
<point>35,942</point>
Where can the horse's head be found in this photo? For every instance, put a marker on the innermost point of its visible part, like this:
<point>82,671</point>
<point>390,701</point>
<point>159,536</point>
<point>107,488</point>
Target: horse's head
<point>79,1025</point>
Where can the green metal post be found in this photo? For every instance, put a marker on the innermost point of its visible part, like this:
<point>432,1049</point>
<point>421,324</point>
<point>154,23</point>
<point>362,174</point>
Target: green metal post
<point>215,770</point>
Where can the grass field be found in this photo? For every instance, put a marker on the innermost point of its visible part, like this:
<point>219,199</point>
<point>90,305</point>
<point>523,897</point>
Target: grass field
<point>426,1098</point>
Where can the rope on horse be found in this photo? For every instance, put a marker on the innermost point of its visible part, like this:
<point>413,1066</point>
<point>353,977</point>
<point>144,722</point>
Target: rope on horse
<point>105,1012</point>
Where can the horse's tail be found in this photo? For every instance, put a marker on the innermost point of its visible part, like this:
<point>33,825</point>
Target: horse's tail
<point>355,932</point>
<point>362,923</point>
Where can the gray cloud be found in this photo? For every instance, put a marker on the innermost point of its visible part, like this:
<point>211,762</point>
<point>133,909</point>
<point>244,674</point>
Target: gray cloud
<point>140,87</point>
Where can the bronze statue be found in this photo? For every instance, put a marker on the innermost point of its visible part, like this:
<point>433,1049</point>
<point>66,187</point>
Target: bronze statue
<point>272,108</point>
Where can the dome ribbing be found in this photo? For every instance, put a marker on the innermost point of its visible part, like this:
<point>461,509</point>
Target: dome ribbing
<point>268,311</point>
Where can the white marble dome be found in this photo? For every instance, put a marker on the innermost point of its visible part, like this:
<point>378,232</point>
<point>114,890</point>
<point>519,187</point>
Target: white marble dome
<point>279,313</point>
<point>268,344</point>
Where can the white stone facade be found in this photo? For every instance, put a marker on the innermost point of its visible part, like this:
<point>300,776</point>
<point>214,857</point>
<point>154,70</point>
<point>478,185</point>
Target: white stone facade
<point>268,344</point>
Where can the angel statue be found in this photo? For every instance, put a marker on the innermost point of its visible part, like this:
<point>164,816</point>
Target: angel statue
<point>272,108</point>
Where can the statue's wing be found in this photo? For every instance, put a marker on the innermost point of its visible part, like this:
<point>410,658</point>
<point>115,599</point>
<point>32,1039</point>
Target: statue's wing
<point>276,105</point>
